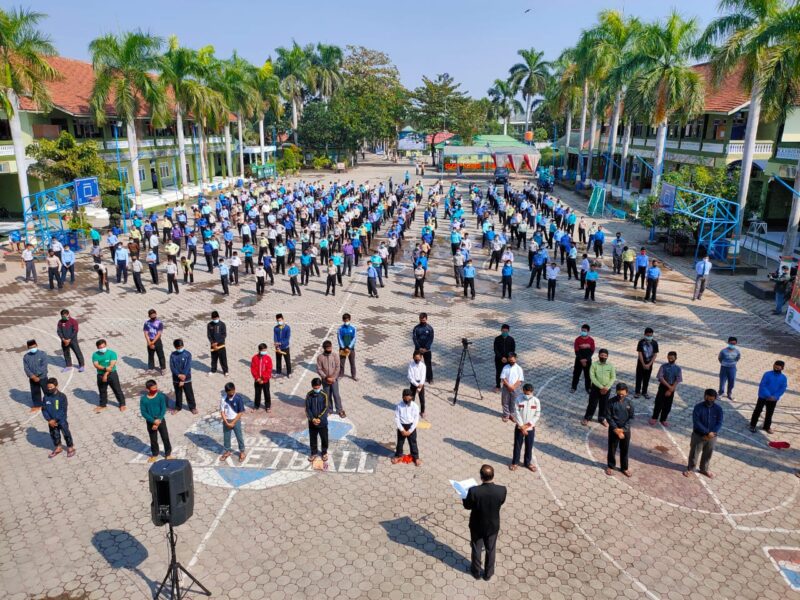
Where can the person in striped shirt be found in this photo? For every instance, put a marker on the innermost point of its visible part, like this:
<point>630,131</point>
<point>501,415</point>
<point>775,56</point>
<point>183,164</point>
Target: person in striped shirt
<point>526,414</point>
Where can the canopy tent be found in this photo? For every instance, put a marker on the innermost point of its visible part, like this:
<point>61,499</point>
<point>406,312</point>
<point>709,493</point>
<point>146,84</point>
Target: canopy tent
<point>516,158</point>
<point>478,158</point>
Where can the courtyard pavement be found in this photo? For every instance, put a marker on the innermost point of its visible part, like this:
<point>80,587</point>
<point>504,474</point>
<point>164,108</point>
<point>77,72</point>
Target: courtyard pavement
<point>273,528</point>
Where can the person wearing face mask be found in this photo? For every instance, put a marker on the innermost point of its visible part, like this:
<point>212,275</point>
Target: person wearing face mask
<point>669,376</point>
<point>641,263</point>
<point>526,415</point>
<point>261,370</point>
<point>506,278</point>
<point>317,414</point>
<point>67,330</point>
<point>153,329</point>
<point>34,363</point>
<point>728,358</point>
<point>216,332</point>
<point>282,337</point>
<point>54,411</point>
<point>602,374</point>
<point>105,361</point>
<point>706,424</point>
<point>346,336</point>
<point>153,408</point>
<point>511,380</point>
<point>619,415</point>
<point>503,345</point>
<point>406,419</point>
<point>121,255</point>
<point>702,271</point>
<point>770,390</point>
<point>584,350</point>
<point>422,336</point>
<point>552,276</point>
<point>180,365</point>
<point>469,279</point>
<point>647,352</point>
<point>231,408</point>
<point>416,379</point>
<point>617,248</point>
<point>330,369</point>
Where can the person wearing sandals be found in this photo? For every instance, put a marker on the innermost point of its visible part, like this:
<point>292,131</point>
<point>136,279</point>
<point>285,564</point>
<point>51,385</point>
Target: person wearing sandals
<point>317,414</point>
<point>54,411</point>
<point>231,408</point>
<point>526,415</point>
<point>406,419</point>
<point>619,415</point>
<point>153,408</point>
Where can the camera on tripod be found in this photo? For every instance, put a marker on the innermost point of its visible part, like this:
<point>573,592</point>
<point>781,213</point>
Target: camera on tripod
<point>465,342</point>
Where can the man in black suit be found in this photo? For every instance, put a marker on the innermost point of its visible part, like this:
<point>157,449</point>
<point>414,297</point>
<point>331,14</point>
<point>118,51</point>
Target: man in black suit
<point>484,521</point>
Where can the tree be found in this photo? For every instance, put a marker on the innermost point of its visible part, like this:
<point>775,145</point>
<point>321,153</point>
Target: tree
<point>563,94</point>
<point>238,86</point>
<point>471,118</point>
<point>268,86</point>
<point>325,73</point>
<point>124,67</point>
<point>429,105</point>
<point>293,66</point>
<point>532,76</point>
<point>741,43</point>
<point>25,71</point>
<point>503,97</point>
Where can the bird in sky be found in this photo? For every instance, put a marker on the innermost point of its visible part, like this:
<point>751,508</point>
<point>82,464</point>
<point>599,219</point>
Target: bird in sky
<point>527,10</point>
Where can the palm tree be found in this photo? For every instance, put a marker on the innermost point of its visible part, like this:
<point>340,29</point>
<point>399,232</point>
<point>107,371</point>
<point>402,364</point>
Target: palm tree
<point>585,59</point>
<point>123,67</point>
<point>668,85</point>
<point>293,66</point>
<point>208,107</point>
<point>779,82</point>
<point>565,92</point>
<point>238,87</point>
<point>269,90</point>
<point>739,35</point>
<point>325,73</point>
<point>25,71</point>
<point>532,76</point>
<point>503,95</point>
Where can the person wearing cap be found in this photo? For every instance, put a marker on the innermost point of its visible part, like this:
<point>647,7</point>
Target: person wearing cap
<point>261,370</point>
<point>619,414</point>
<point>503,345</point>
<point>602,374</point>
<point>406,419</point>
<point>770,390</point>
<point>706,424</point>
<point>511,380</point>
<point>180,365</point>
<point>34,363</point>
<point>153,408</point>
<point>526,414</point>
<point>317,414</point>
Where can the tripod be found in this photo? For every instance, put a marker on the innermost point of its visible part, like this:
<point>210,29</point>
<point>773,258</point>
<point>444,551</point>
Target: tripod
<point>465,355</point>
<point>174,573</point>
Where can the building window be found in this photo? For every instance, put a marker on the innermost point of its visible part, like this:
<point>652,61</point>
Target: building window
<point>637,130</point>
<point>87,129</point>
<point>738,125</point>
<point>141,173</point>
<point>718,128</point>
<point>164,170</point>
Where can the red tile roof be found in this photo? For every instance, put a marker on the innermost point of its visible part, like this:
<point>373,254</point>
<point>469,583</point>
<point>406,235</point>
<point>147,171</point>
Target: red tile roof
<point>727,97</point>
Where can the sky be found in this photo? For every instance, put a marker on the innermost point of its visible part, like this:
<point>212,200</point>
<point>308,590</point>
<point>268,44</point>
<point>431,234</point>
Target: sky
<point>474,41</point>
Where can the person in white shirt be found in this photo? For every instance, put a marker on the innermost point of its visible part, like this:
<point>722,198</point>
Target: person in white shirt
<point>416,379</point>
<point>552,275</point>
<point>29,262</point>
<point>406,419</point>
<point>154,244</point>
<point>526,414</point>
<point>172,275</point>
<point>136,270</point>
<point>511,380</point>
<point>702,270</point>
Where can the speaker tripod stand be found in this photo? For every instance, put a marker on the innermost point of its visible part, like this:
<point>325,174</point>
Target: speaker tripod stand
<point>465,356</point>
<point>174,573</point>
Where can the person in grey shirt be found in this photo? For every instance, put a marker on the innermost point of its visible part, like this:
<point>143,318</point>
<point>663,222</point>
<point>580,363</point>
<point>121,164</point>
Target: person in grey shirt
<point>728,359</point>
<point>35,365</point>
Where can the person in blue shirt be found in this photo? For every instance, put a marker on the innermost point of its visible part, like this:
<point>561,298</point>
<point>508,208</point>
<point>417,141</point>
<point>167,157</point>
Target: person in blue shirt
<point>422,261</point>
<point>539,265</point>
<point>224,271</point>
<point>455,241</point>
<point>228,238</point>
<point>291,249</point>
<point>305,265</point>
<point>293,272</point>
<point>653,275</point>
<point>591,282</point>
<point>372,281</point>
<point>469,278</point>
<point>67,265</point>
<point>121,255</point>
<point>266,260</point>
<point>346,336</point>
<point>641,267</point>
<point>506,274</point>
<point>599,240</point>
<point>282,339</point>
<point>180,365</point>
<point>248,250</point>
<point>706,424</point>
<point>770,390</point>
<point>208,252</point>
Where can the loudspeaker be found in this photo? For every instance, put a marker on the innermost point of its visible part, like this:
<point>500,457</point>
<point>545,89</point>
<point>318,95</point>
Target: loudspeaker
<point>172,490</point>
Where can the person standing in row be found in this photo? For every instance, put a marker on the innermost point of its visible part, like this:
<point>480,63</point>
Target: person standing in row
<point>180,365</point>
<point>469,279</point>
<point>317,416</point>
<point>511,380</point>
<point>67,331</point>
<point>216,332</point>
<point>770,390</point>
<point>619,415</point>
<point>552,276</point>
<point>584,350</point>
<point>172,275</point>
<point>416,379</point>
<point>669,376</point>
<point>484,501</point>
<point>54,411</point>
<point>702,270</point>
<point>231,409</point>
<point>328,369</point>
<point>503,345</point>
<point>330,282</point>
<point>372,280</point>
<point>346,336</point>
<point>153,408</point>
<point>105,361</point>
<point>153,329</point>
<point>617,248</point>
<point>422,335</point>
<point>526,415</point>
<point>506,275</point>
<point>34,364</point>
<point>591,282</point>
<point>419,281</point>
<point>224,271</point>
<point>728,358</point>
<point>261,370</point>
<point>628,263</point>
<point>653,277</point>
<point>292,274</point>
<point>136,272</point>
<point>406,419</point>
<point>647,352</point>
<point>602,374</point>
<point>706,423</point>
<point>29,263</point>
<point>54,269</point>
<point>641,263</point>
<point>282,338</point>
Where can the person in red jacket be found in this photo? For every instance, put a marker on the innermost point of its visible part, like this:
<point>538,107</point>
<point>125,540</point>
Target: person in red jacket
<point>261,370</point>
<point>584,349</point>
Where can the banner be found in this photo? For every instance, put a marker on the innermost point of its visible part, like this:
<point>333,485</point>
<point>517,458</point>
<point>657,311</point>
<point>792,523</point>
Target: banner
<point>793,312</point>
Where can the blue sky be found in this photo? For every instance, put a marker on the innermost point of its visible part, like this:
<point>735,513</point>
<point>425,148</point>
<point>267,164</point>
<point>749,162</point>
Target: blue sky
<point>474,41</point>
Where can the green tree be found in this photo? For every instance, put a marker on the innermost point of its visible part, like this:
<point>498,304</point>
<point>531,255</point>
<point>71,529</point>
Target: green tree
<point>433,103</point>
<point>325,73</point>
<point>532,75</point>
<point>503,95</point>
<point>25,71</point>
<point>239,87</point>
<point>293,66</point>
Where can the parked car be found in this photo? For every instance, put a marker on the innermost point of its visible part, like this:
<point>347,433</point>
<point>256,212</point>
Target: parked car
<point>501,175</point>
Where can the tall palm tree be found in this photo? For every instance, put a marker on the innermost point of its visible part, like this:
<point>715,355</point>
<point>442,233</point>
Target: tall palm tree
<point>325,73</point>
<point>565,92</point>
<point>293,66</point>
<point>532,76</point>
<point>739,34</point>
<point>239,89</point>
<point>779,82</point>
<point>659,61</point>
<point>503,95</point>
<point>586,61</point>
<point>25,71</point>
<point>123,66</point>
<point>208,107</point>
<point>269,90</point>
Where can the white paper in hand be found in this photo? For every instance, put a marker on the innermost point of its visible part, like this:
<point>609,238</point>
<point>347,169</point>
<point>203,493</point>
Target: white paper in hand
<point>462,487</point>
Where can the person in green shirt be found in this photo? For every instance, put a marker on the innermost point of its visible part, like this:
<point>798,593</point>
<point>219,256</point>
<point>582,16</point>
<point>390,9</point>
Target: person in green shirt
<point>153,407</point>
<point>602,374</point>
<point>105,361</point>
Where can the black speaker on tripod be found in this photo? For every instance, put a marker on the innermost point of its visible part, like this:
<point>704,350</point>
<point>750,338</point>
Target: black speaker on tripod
<point>172,504</point>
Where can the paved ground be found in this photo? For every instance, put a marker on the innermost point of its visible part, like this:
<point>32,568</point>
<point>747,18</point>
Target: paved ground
<point>271,528</point>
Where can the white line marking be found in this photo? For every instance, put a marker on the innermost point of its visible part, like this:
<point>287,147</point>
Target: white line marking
<point>214,524</point>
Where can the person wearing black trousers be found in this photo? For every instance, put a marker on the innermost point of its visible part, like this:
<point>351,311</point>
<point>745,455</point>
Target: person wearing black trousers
<point>503,345</point>
<point>484,501</point>
<point>216,332</point>
<point>584,350</point>
<point>67,330</point>
<point>180,365</point>
<point>647,352</point>
<point>422,335</point>
<point>619,415</point>
<point>153,328</point>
